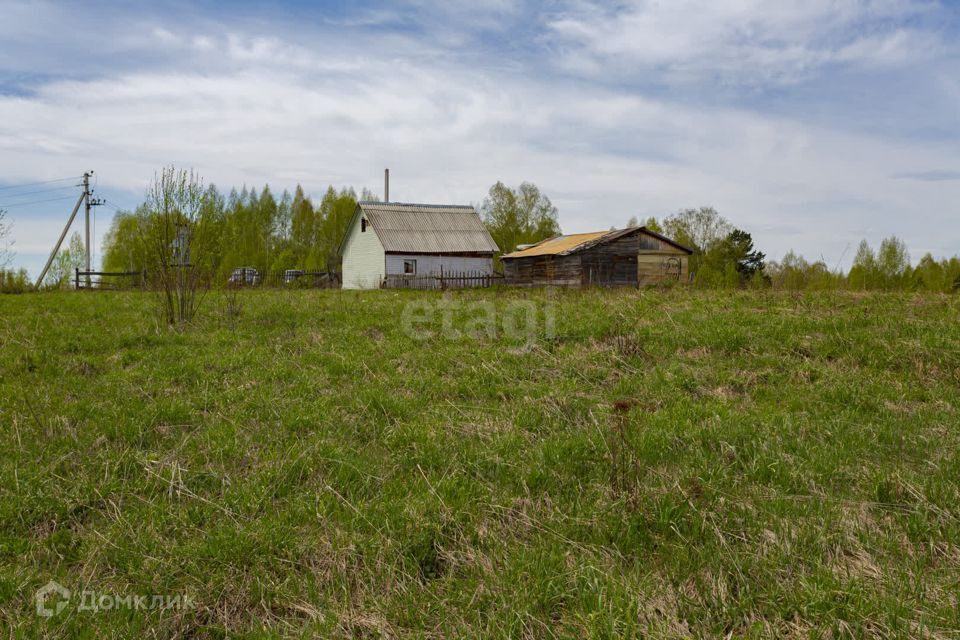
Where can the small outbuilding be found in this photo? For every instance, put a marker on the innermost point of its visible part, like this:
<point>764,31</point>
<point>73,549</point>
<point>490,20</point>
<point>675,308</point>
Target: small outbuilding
<point>630,257</point>
<point>389,243</point>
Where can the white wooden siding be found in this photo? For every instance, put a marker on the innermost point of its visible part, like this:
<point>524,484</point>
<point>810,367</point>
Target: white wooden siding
<point>429,265</point>
<point>363,259</point>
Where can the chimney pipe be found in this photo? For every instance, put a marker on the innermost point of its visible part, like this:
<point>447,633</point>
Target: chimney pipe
<point>386,185</point>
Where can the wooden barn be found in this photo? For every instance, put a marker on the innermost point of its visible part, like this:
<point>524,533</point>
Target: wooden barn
<point>623,258</point>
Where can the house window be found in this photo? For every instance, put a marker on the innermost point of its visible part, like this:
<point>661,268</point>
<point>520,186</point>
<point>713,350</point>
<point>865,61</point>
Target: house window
<point>409,267</point>
<point>363,225</point>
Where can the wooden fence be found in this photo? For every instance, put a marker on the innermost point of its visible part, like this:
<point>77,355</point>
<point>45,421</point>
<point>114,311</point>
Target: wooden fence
<point>445,280</point>
<point>248,278</point>
<point>109,279</point>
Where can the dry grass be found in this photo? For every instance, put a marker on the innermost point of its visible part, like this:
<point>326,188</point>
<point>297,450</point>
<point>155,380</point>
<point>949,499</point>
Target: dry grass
<point>667,464</point>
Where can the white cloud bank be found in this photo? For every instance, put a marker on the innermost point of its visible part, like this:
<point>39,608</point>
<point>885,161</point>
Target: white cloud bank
<point>247,105</point>
<point>743,41</point>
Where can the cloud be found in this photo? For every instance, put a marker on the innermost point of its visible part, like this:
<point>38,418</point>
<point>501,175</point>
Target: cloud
<point>253,102</point>
<point>936,175</point>
<point>740,41</point>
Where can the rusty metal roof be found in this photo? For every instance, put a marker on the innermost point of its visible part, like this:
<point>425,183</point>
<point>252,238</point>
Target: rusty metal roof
<point>565,245</point>
<point>428,228</point>
<point>558,245</point>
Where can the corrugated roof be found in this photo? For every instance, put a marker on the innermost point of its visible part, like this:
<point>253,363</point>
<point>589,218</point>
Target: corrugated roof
<point>558,245</point>
<point>428,228</point>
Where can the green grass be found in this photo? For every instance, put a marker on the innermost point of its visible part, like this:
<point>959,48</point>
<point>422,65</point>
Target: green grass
<point>667,464</point>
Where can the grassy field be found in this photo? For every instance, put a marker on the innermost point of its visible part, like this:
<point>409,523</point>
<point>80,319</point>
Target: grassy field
<point>656,464</point>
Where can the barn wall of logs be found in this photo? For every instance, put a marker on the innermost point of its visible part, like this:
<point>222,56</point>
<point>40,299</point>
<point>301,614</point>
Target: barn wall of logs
<point>538,271</point>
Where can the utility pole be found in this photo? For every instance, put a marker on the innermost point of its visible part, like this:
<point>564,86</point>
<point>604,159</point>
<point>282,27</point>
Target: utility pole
<point>86,200</point>
<point>90,202</point>
<point>85,197</point>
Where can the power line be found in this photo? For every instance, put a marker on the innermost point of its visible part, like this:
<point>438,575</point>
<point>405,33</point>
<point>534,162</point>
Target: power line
<point>30,193</point>
<point>115,207</point>
<point>24,204</point>
<point>32,184</point>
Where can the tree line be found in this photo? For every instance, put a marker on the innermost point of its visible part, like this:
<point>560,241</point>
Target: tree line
<point>253,228</point>
<point>248,228</point>
<point>725,256</point>
<point>11,281</point>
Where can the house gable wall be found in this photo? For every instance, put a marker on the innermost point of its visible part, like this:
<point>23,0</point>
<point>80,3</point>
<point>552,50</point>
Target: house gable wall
<point>364,265</point>
<point>660,262</point>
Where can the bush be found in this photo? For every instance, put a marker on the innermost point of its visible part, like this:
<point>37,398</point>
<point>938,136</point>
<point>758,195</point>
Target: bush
<point>14,281</point>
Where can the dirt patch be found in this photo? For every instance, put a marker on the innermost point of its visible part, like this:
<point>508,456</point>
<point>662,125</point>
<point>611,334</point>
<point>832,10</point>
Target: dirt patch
<point>697,353</point>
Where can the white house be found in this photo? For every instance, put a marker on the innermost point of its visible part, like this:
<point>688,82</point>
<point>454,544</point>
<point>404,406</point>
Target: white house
<point>394,240</point>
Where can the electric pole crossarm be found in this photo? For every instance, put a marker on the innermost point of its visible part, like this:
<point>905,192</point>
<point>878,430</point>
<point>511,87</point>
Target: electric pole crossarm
<point>53,254</point>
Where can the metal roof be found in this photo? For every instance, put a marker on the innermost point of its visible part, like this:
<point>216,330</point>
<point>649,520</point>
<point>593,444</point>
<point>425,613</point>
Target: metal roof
<point>557,245</point>
<point>565,245</point>
<point>428,228</point>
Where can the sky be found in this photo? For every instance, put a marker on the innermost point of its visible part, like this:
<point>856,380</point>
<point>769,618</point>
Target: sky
<point>810,124</point>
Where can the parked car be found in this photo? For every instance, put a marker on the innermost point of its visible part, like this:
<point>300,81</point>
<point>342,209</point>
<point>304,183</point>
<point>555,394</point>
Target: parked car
<point>291,275</point>
<point>244,276</point>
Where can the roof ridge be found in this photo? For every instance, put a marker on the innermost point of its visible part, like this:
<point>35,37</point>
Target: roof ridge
<point>583,233</point>
<point>415,204</point>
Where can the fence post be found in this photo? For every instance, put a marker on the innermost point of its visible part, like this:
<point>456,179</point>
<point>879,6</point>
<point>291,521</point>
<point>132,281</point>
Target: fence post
<point>77,274</point>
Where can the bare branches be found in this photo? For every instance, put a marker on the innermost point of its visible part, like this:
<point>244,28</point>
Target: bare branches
<point>176,234</point>
<point>6,255</point>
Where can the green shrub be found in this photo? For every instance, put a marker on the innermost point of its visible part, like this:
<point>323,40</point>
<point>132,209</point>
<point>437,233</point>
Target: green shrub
<point>14,281</point>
